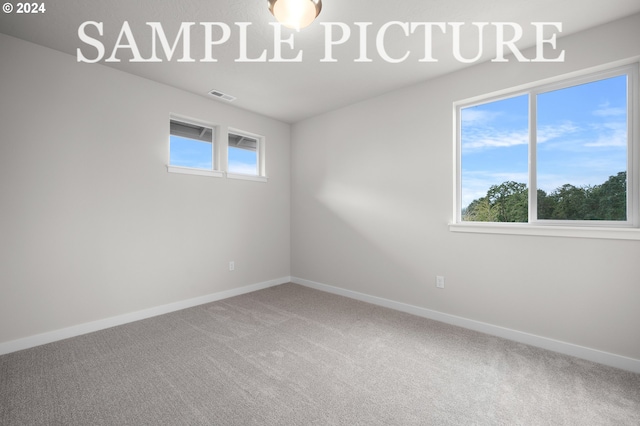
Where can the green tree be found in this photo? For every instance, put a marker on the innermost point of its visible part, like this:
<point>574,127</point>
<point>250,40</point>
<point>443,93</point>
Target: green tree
<point>546,205</point>
<point>570,203</point>
<point>480,211</point>
<point>510,199</point>
<point>611,198</point>
<point>508,202</point>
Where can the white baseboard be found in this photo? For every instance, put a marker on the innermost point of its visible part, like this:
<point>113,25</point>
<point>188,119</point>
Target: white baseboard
<point>89,327</point>
<point>577,351</point>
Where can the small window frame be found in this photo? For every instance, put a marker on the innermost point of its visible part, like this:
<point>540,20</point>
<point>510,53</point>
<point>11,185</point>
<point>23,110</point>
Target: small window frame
<point>260,175</point>
<point>215,157</point>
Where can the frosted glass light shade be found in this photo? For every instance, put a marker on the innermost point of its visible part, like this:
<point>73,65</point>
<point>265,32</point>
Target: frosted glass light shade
<point>295,14</point>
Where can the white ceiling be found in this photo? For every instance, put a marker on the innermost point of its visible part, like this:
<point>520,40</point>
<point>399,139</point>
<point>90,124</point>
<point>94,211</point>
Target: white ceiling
<point>294,91</point>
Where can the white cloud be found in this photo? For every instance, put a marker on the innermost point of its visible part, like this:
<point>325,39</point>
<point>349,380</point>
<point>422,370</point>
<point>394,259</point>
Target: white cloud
<point>610,134</point>
<point>242,168</point>
<point>490,138</point>
<point>607,111</point>
<point>472,116</point>
<point>476,138</point>
<point>547,133</point>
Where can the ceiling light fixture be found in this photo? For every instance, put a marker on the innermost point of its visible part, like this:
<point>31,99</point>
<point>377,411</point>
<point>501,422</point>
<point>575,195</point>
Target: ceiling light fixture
<point>295,14</point>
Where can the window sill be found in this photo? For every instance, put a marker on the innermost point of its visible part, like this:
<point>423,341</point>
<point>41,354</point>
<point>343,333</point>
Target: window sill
<point>190,171</point>
<point>247,177</point>
<point>547,231</point>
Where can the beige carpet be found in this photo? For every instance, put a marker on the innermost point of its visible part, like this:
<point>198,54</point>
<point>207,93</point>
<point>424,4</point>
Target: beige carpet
<point>289,355</point>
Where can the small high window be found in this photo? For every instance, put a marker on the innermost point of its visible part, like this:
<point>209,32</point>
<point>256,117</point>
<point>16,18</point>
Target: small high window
<point>245,156</point>
<point>191,148</point>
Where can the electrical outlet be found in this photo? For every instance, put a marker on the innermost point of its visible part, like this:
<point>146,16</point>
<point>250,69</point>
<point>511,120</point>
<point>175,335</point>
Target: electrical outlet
<point>232,266</point>
<point>440,281</point>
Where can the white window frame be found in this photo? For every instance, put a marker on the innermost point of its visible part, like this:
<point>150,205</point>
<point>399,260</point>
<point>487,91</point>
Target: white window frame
<point>629,229</point>
<point>215,157</point>
<point>261,175</point>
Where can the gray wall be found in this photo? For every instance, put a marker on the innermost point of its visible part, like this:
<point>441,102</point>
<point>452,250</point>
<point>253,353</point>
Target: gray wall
<point>92,224</point>
<point>372,197</point>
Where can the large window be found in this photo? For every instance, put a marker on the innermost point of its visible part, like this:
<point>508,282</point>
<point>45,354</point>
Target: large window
<point>556,154</point>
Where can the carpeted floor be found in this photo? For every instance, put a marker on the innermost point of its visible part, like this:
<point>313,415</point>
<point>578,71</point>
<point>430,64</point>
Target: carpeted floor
<point>289,355</point>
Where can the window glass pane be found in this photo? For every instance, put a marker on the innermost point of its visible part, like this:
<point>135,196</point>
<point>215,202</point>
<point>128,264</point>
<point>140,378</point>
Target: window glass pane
<point>243,154</point>
<point>190,146</point>
<point>494,162</point>
<point>582,151</point>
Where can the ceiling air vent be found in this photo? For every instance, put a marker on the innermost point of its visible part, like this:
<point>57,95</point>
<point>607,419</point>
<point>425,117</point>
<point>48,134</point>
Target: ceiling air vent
<point>222,96</point>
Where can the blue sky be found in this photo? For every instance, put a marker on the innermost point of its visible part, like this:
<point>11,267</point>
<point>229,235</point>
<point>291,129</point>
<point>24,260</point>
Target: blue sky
<point>242,161</point>
<point>581,138</point>
<point>186,152</point>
